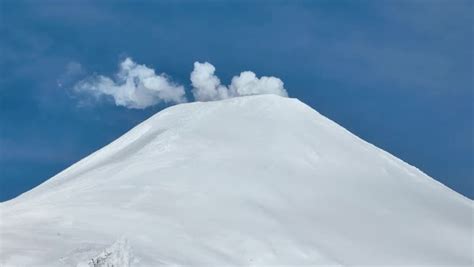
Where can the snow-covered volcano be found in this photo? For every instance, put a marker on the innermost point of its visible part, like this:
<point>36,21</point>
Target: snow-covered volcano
<point>248,181</point>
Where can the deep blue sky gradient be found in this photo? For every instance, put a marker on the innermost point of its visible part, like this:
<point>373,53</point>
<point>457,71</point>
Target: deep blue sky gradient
<point>396,73</point>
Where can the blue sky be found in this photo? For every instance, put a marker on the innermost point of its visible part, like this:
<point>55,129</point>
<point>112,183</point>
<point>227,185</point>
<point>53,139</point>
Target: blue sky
<point>396,73</point>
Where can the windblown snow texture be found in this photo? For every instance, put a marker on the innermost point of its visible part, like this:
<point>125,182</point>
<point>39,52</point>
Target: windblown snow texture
<point>247,181</point>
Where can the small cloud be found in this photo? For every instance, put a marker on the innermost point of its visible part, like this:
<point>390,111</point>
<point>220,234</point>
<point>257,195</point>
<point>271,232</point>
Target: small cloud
<point>134,86</point>
<point>207,86</point>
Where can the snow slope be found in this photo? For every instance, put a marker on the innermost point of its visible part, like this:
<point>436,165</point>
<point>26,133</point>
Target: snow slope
<point>248,181</point>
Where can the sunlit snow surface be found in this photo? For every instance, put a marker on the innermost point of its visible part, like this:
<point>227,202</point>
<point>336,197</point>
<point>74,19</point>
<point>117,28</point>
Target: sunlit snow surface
<point>248,181</point>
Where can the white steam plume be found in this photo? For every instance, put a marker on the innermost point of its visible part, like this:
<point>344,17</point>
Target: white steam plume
<point>135,86</point>
<point>138,86</point>
<point>207,86</point>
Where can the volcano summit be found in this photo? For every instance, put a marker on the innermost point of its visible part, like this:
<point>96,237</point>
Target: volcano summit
<point>247,181</point>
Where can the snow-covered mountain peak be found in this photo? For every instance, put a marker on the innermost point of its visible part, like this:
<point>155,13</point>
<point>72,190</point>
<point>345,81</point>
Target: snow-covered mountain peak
<point>256,180</point>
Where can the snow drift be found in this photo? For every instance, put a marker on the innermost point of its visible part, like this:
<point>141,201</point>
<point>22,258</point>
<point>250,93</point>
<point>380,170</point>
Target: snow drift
<point>247,181</point>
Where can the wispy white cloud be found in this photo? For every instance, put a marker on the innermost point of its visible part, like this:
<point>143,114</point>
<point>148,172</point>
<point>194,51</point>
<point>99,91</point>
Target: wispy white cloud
<point>207,86</point>
<point>134,86</point>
